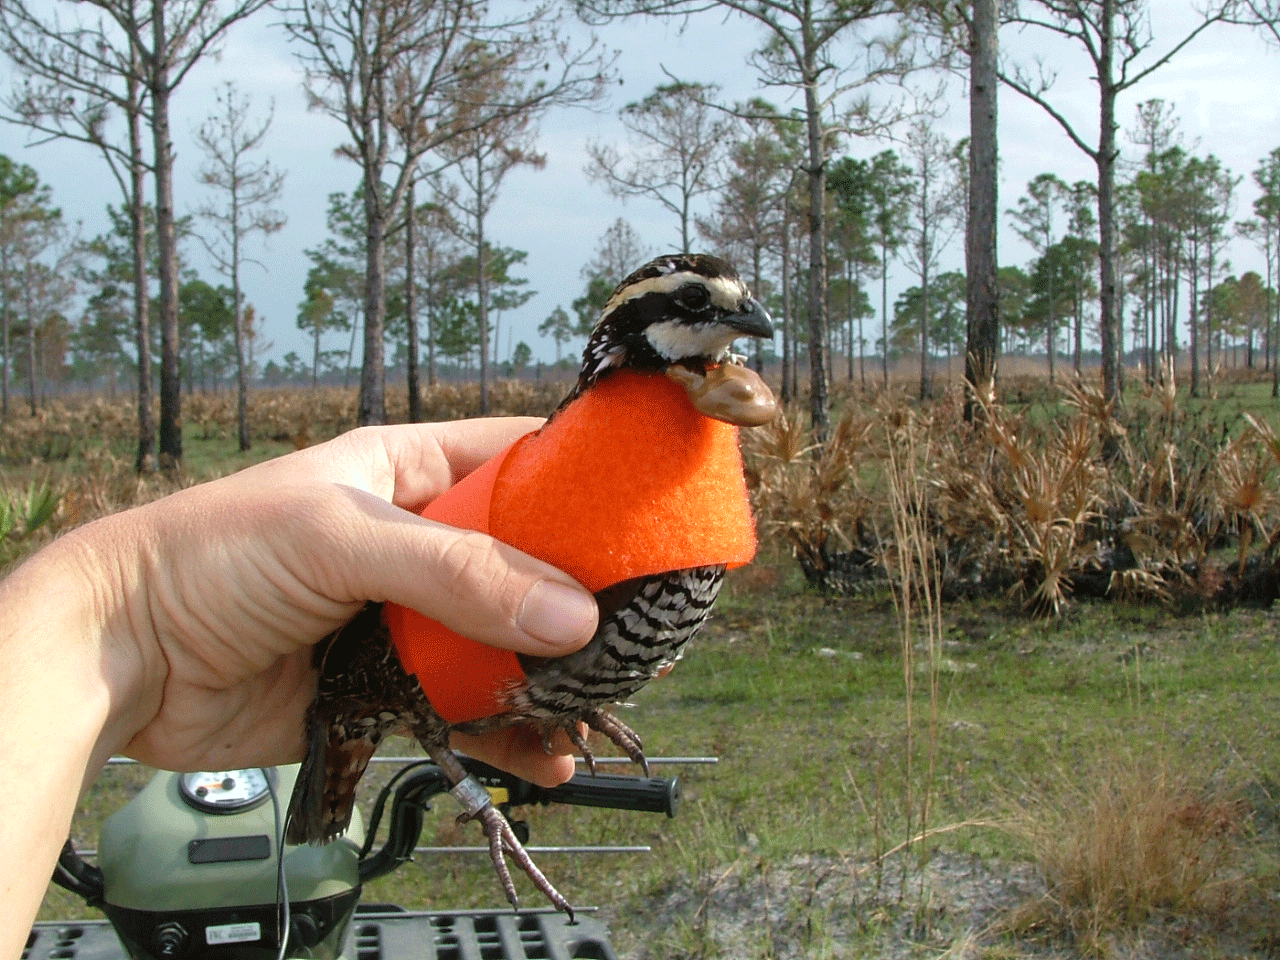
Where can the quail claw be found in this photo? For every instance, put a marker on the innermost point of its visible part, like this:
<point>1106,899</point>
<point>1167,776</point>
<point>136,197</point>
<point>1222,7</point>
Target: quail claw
<point>626,739</point>
<point>477,805</point>
<point>575,736</point>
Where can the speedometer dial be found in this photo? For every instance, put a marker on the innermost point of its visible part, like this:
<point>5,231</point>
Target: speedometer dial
<point>225,791</point>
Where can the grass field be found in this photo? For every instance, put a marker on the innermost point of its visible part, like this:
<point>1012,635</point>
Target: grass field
<point>1105,783</point>
<point>802,699</point>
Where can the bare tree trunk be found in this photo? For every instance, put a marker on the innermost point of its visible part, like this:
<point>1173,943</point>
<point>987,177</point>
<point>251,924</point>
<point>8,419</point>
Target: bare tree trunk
<point>1079,335</point>
<point>1273,319</point>
<point>795,344</point>
<point>788,321</point>
<point>884,314</point>
<point>411,308</point>
<point>1049,337</point>
<point>6,319</point>
<point>145,460</point>
<point>818,397</point>
<point>431,322</point>
<point>924,319</point>
<point>351,351</point>
<point>757,360</point>
<point>372,408</point>
<point>31,342</point>
<point>242,351</point>
<point>166,249</point>
<point>862,355</point>
<point>315,356</point>
<point>1108,319</point>
<point>848,279</point>
<point>482,311</point>
<point>1194,339</point>
<point>982,320</point>
<point>1208,310</point>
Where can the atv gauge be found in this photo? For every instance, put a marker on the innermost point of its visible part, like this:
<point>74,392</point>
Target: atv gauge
<point>226,791</point>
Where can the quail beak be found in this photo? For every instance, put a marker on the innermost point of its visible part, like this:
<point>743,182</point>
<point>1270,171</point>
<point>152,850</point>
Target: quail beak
<point>751,320</point>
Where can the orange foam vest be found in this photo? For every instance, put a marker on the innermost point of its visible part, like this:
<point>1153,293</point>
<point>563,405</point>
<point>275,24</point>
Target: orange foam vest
<point>626,481</point>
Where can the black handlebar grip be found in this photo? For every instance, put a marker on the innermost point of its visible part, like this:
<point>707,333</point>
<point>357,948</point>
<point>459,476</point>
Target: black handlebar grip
<point>646,794</point>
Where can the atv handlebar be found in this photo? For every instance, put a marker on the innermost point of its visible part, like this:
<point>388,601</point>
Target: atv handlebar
<point>645,794</point>
<point>411,788</point>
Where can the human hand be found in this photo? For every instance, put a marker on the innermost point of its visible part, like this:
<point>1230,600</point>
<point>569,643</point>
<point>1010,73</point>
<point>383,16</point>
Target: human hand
<point>180,632</point>
<point>226,585</point>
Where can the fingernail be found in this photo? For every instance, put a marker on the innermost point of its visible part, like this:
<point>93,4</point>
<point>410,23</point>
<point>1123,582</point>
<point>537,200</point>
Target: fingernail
<point>557,614</point>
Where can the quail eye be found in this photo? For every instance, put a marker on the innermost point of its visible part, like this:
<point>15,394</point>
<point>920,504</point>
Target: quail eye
<point>693,297</point>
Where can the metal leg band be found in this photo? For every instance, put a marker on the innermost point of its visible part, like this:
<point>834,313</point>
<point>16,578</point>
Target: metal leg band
<point>472,795</point>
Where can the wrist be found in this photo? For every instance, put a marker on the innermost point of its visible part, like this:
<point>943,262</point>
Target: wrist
<point>77,608</point>
<point>71,690</point>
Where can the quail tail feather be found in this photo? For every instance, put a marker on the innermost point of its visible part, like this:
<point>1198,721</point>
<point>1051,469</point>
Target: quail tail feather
<point>324,795</point>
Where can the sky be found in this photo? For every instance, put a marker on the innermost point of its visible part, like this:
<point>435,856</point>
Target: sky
<point>1222,89</point>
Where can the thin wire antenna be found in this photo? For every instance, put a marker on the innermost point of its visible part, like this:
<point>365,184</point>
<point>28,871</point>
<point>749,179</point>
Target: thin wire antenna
<point>284,919</point>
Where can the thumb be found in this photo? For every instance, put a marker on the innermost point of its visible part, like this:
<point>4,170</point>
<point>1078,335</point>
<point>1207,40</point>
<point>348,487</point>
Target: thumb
<point>474,584</point>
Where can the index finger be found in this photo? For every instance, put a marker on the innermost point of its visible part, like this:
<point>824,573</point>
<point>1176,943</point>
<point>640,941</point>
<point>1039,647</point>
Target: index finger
<point>412,464</point>
<point>465,445</point>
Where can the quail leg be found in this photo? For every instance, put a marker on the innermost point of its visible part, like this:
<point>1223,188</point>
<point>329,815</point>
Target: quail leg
<point>623,737</point>
<point>477,805</point>
<point>574,733</point>
<point>626,739</point>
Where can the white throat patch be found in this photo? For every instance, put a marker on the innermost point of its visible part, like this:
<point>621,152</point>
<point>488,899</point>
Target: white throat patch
<point>676,341</point>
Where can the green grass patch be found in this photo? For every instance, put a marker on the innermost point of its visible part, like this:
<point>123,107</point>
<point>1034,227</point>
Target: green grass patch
<point>824,787</point>
<point>801,697</point>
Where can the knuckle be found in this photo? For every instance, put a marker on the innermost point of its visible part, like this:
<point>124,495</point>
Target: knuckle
<point>471,566</point>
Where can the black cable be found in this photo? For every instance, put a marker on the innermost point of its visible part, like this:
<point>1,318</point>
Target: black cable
<point>375,818</point>
<point>284,917</point>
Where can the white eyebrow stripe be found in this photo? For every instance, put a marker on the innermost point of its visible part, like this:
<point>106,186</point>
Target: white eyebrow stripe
<point>663,284</point>
<point>727,294</point>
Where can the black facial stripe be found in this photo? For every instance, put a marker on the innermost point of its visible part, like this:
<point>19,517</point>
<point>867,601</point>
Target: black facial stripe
<point>635,315</point>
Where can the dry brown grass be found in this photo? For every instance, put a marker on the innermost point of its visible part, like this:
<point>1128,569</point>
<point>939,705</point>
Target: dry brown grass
<point>913,561</point>
<point>299,416</point>
<point>1044,503</point>
<point>1131,839</point>
<point>806,493</point>
<point>304,417</point>
<point>82,449</point>
<point>1023,503</point>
